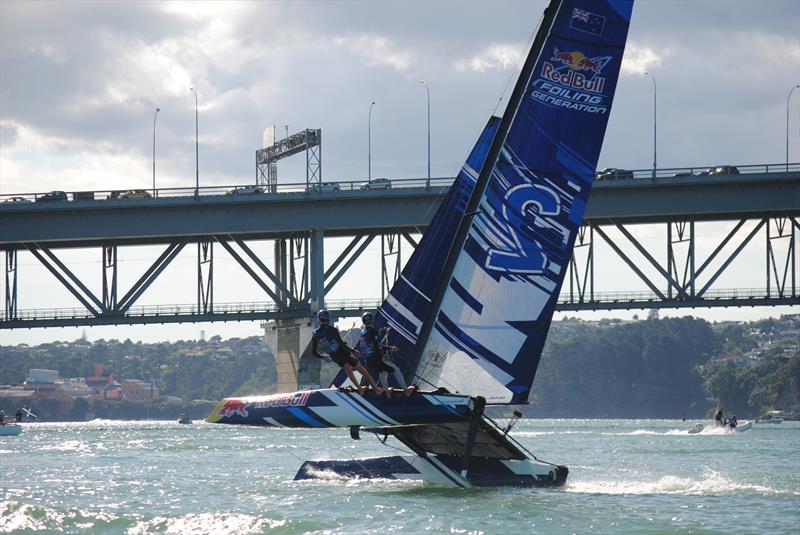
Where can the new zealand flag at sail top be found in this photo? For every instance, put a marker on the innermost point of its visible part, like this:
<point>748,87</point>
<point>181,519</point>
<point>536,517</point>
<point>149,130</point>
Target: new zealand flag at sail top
<point>500,297</point>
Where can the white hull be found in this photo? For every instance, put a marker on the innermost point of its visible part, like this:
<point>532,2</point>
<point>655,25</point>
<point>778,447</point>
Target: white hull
<point>744,426</point>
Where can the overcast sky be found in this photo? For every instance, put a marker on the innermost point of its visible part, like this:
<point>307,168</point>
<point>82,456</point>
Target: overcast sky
<point>79,82</point>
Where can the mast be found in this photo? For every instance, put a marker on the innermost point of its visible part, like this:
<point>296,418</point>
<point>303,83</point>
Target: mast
<point>526,73</point>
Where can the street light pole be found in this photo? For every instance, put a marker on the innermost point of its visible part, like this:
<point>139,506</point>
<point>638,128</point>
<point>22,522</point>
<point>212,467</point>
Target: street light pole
<point>787,124</point>
<point>654,121</point>
<point>196,147</point>
<point>154,149</point>
<point>428,91</point>
<point>369,144</point>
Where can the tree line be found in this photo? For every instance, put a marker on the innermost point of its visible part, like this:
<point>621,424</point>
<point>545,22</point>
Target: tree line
<point>654,368</point>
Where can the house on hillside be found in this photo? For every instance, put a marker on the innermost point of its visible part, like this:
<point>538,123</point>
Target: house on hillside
<point>135,390</point>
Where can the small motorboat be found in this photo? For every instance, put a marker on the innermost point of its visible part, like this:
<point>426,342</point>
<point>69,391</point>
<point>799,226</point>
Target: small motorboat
<point>183,419</point>
<point>771,417</point>
<point>10,430</point>
<point>743,426</point>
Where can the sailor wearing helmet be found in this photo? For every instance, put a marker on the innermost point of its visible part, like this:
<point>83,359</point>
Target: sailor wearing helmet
<point>327,344</point>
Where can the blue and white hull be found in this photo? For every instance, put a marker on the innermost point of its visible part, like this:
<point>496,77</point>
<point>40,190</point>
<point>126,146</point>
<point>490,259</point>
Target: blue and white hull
<point>440,470</point>
<point>453,443</point>
<point>341,407</point>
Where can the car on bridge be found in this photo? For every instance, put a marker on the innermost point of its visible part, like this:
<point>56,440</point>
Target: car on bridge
<point>245,190</point>
<point>718,170</point>
<point>321,187</point>
<point>376,183</point>
<point>610,173</point>
<point>135,194</point>
<point>83,196</point>
<point>17,200</point>
<point>52,196</point>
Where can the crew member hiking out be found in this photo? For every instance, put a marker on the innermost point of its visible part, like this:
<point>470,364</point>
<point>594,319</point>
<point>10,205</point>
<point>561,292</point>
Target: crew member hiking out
<point>327,344</point>
<point>376,357</point>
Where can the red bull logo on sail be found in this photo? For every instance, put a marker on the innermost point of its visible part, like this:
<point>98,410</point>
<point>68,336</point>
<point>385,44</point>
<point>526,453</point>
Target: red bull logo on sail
<point>576,70</point>
<point>576,61</point>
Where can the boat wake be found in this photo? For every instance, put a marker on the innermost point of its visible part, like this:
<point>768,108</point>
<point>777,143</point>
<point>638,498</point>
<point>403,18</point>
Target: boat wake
<point>710,430</point>
<point>712,483</point>
<point>208,523</point>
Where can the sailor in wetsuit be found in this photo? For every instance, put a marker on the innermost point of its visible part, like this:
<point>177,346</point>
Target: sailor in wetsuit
<point>732,423</point>
<point>375,356</point>
<point>327,344</point>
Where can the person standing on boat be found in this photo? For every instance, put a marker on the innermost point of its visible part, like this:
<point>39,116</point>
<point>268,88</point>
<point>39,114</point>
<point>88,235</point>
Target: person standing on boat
<point>720,417</point>
<point>327,344</point>
<point>2,417</point>
<point>375,355</point>
<point>18,415</point>
<point>732,423</point>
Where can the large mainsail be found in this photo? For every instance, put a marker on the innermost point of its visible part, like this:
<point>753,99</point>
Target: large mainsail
<point>410,296</point>
<point>473,306</point>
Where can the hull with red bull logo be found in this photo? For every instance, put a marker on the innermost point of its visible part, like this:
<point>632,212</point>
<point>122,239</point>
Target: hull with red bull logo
<point>338,407</point>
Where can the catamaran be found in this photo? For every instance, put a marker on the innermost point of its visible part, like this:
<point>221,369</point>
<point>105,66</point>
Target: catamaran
<point>473,305</point>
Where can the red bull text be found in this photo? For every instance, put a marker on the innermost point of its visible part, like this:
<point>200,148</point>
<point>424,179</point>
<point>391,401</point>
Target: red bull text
<point>572,80</point>
<point>298,399</point>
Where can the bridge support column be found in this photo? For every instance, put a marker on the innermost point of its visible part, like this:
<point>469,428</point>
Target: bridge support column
<point>110,277</point>
<point>317,271</point>
<point>781,256</point>
<point>681,257</point>
<point>391,263</point>
<point>290,342</point>
<point>205,276</point>
<point>281,270</point>
<point>581,267</point>
<point>11,284</point>
<point>298,252</point>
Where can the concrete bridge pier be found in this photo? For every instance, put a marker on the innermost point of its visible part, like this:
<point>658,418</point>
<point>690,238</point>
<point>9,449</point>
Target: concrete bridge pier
<point>290,342</point>
<point>290,339</point>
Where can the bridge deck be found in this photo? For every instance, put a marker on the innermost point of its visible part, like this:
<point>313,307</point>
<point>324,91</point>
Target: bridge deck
<point>348,212</point>
<point>178,217</point>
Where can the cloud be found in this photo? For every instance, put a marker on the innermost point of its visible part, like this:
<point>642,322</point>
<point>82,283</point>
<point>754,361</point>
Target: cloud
<point>8,134</point>
<point>377,51</point>
<point>640,59</point>
<point>494,57</point>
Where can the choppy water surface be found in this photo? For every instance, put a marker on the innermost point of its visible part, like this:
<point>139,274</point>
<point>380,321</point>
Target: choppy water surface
<point>626,476</point>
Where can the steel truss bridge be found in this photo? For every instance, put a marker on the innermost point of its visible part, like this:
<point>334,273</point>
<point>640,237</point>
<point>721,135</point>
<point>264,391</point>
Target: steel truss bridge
<point>763,201</point>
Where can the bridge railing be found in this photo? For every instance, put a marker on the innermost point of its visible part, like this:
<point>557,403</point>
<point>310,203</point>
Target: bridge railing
<point>705,170</point>
<point>635,297</point>
<point>361,185</point>
<point>348,306</point>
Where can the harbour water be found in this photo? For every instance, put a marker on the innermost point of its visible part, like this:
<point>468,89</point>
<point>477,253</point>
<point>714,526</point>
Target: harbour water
<point>626,476</point>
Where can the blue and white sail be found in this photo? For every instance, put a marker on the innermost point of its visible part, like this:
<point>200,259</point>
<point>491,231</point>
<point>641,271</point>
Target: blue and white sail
<point>408,302</point>
<point>473,305</point>
<point>472,309</point>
